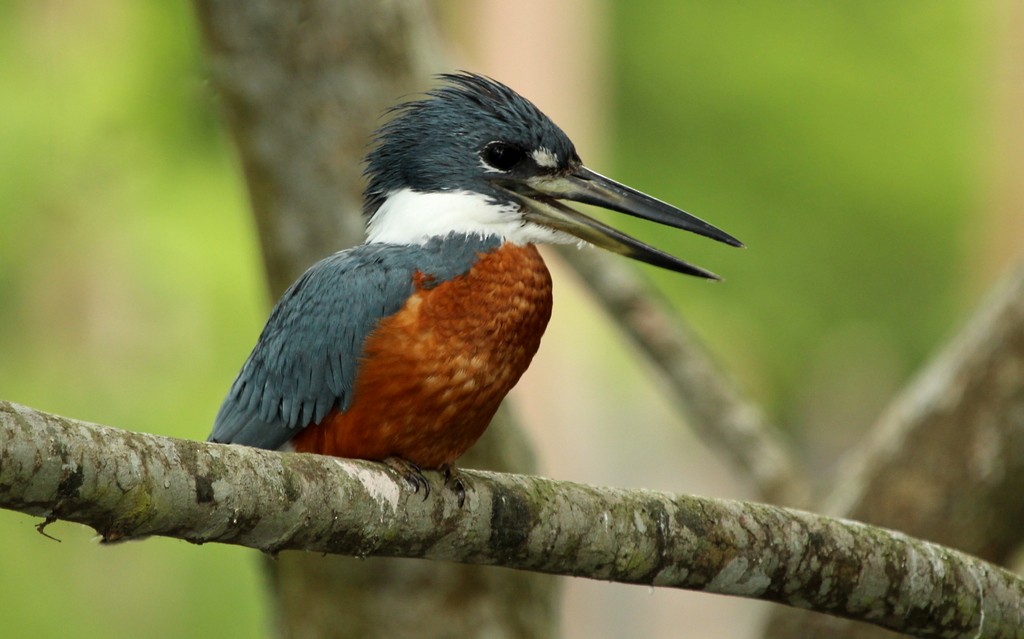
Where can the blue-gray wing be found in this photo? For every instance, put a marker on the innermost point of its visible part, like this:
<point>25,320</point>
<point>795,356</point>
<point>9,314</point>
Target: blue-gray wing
<point>304,363</point>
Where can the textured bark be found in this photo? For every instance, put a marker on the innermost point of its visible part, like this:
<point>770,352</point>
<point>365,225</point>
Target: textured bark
<point>717,410</point>
<point>303,83</point>
<point>129,485</point>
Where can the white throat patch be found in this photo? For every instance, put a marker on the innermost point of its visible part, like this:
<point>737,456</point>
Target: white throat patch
<point>412,217</point>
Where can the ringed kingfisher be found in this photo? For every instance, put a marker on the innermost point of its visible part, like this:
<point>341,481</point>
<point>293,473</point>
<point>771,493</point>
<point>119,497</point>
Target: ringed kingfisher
<point>401,349</point>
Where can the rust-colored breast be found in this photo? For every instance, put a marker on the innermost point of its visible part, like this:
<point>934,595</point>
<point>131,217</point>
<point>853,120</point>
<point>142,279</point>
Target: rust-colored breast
<point>434,373</point>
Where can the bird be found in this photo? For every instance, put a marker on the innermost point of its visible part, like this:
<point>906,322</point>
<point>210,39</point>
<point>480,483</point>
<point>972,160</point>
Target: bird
<point>400,349</point>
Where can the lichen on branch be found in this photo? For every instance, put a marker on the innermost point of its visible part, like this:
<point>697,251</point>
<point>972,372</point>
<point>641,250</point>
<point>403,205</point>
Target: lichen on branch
<point>128,485</point>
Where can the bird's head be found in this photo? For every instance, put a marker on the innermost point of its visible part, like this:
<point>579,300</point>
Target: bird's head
<point>475,157</point>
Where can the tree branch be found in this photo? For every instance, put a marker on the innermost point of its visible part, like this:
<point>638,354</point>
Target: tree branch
<point>717,410</point>
<point>128,485</point>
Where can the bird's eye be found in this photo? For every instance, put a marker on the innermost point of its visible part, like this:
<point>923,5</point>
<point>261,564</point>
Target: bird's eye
<point>502,156</point>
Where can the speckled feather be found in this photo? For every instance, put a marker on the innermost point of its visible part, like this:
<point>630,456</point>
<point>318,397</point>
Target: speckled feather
<point>306,361</point>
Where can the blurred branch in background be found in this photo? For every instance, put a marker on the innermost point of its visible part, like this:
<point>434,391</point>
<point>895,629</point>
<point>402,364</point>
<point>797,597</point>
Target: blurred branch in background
<point>946,460</point>
<point>127,485</point>
<point>716,409</point>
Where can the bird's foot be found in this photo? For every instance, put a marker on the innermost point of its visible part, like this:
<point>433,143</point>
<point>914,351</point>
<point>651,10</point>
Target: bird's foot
<point>453,479</point>
<point>411,473</point>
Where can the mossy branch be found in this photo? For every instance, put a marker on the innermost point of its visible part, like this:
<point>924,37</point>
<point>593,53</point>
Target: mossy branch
<point>128,485</point>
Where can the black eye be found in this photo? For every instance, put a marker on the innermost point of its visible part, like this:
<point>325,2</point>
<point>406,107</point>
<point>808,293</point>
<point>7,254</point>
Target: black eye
<point>502,156</point>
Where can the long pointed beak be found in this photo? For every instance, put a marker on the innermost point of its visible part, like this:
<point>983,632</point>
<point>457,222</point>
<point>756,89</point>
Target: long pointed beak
<point>539,196</point>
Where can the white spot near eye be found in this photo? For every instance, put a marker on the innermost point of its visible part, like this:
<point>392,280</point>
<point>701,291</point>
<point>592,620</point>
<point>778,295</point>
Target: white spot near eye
<point>544,157</point>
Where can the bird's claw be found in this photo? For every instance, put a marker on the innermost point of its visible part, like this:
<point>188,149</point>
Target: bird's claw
<point>411,473</point>
<point>453,479</point>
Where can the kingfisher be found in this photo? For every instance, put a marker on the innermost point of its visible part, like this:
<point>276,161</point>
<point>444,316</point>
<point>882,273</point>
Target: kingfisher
<point>401,349</point>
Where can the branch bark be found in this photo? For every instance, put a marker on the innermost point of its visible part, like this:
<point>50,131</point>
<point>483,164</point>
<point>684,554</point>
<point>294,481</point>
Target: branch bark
<point>128,485</point>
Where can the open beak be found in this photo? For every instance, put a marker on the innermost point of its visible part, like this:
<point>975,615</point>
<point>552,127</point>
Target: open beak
<point>540,195</point>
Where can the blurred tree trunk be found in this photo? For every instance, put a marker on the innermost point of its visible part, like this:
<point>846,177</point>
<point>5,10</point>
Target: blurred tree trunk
<point>303,84</point>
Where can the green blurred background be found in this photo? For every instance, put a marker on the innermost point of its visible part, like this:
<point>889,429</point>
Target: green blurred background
<point>846,143</point>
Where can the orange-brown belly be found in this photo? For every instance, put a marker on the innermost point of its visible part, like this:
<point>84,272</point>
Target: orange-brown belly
<point>433,374</point>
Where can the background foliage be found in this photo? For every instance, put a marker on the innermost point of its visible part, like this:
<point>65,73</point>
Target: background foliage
<point>844,142</point>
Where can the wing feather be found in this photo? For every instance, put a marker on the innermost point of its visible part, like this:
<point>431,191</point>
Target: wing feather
<point>305,362</point>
